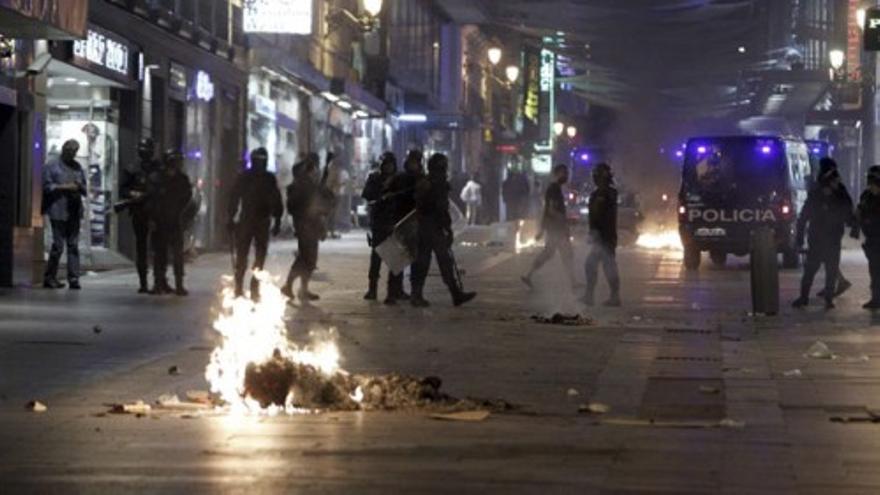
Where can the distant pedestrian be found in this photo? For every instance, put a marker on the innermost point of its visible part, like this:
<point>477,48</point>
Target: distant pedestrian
<point>827,164</point>
<point>333,183</point>
<point>472,195</point>
<point>64,186</point>
<point>380,203</point>
<point>603,236</point>
<point>869,221</point>
<point>173,198</point>
<point>554,229</point>
<point>825,214</point>
<point>515,192</point>
<point>257,197</point>
<point>435,234</point>
<point>137,191</point>
<point>309,209</point>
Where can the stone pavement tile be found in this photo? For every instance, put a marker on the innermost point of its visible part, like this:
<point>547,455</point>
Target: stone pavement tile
<point>798,393</point>
<point>763,393</point>
<point>755,413</point>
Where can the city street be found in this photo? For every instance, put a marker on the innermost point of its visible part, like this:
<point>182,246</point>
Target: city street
<point>703,397</point>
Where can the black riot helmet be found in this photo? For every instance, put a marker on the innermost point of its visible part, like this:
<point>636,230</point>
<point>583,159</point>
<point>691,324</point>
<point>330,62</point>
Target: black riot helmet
<point>146,148</point>
<point>388,163</point>
<point>438,165</point>
<point>413,163</point>
<point>602,174</point>
<point>260,159</point>
<point>874,175</point>
<point>172,159</point>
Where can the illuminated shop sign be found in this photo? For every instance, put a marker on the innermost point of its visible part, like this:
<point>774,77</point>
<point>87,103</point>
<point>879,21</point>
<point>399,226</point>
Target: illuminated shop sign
<point>204,86</point>
<point>103,50</point>
<point>277,16</point>
<point>872,29</point>
<point>547,116</point>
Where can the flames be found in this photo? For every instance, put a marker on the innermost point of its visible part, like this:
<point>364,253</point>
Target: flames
<point>664,239</point>
<point>523,241</point>
<point>252,332</point>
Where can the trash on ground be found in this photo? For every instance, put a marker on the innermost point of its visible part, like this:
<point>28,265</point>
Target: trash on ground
<point>819,351</point>
<point>136,408</point>
<point>692,424</point>
<point>471,416</point>
<point>572,392</point>
<point>795,373</point>
<point>861,358</point>
<point>594,408</point>
<point>36,406</point>
<point>573,320</point>
<point>174,370</point>
<point>201,396</point>
<point>172,402</point>
<point>708,390</point>
<point>97,329</point>
<point>732,423</point>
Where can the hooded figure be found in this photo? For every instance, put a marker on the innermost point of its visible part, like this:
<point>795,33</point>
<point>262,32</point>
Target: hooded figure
<point>827,164</point>
<point>256,200</point>
<point>869,222</point>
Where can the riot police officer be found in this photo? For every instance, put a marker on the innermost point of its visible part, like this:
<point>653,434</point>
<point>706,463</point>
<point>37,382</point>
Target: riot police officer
<point>826,212</point>
<point>382,221</point>
<point>603,236</point>
<point>257,196</point>
<point>173,194</point>
<point>435,234</point>
<point>869,221</point>
<point>136,191</point>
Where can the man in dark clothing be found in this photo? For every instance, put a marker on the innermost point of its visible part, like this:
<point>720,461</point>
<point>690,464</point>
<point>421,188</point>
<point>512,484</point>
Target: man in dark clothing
<point>64,186</point>
<point>603,236</point>
<point>256,194</point>
<point>554,228</point>
<point>869,221</point>
<point>826,212</point>
<point>435,234</point>
<point>827,164</point>
<point>137,191</point>
<point>515,192</point>
<point>382,221</point>
<point>309,210</point>
<point>173,194</point>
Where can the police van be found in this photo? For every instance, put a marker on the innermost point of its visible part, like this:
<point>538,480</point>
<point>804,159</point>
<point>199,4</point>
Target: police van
<point>733,184</point>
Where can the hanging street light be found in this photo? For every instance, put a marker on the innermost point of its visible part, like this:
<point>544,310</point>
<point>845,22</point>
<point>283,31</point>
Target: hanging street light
<point>571,131</point>
<point>373,7</point>
<point>559,128</point>
<point>836,57</point>
<point>494,54</point>
<point>512,73</point>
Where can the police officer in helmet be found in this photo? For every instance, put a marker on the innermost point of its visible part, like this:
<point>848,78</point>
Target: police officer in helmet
<point>174,193</point>
<point>257,197</point>
<point>603,236</point>
<point>435,234</point>
<point>869,222</point>
<point>377,193</point>
<point>137,192</point>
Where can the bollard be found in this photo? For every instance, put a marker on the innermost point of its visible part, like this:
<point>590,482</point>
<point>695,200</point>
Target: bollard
<point>764,272</point>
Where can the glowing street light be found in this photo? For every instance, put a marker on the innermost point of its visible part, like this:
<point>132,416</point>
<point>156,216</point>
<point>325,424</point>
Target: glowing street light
<point>559,128</point>
<point>836,57</point>
<point>494,55</point>
<point>373,7</point>
<point>861,14</point>
<point>512,73</point>
<point>571,131</point>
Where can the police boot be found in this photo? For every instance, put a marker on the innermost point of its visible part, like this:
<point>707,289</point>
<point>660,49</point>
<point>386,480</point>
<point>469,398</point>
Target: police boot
<point>160,287</point>
<point>801,302</point>
<point>461,297</point>
<point>874,303</point>
<point>417,300</point>
<point>373,291</point>
<point>178,287</point>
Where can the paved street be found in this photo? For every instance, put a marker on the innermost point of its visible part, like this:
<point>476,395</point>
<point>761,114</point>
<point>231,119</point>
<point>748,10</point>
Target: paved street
<point>703,397</point>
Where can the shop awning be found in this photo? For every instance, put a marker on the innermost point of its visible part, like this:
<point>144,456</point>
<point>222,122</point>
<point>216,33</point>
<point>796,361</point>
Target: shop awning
<point>45,19</point>
<point>358,96</point>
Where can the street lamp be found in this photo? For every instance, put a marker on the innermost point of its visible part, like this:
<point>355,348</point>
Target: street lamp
<point>861,14</point>
<point>512,73</point>
<point>494,55</point>
<point>836,57</point>
<point>367,22</point>
<point>559,128</point>
<point>373,7</point>
<point>571,131</point>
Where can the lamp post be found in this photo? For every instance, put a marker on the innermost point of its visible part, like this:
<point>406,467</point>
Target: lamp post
<point>512,73</point>
<point>367,22</point>
<point>571,131</point>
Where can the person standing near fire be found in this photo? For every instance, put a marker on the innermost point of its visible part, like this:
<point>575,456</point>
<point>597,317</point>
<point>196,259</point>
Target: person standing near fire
<point>869,222</point>
<point>554,228</point>
<point>256,195</point>
<point>137,192</point>
<point>309,209</point>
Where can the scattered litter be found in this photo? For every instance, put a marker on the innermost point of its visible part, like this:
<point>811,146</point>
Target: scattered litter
<point>707,390</point>
<point>738,370</point>
<point>594,408</point>
<point>36,406</point>
<point>637,318</point>
<point>433,350</point>
<point>819,351</point>
<point>861,358</point>
<point>174,370</point>
<point>97,329</point>
<point>732,423</point>
<point>572,392</point>
<point>138,407</point>
<point>468,416</point>
<point>795,373</point>
<point>573,320</point>
<point>693,424</point>
<point>200,396</point>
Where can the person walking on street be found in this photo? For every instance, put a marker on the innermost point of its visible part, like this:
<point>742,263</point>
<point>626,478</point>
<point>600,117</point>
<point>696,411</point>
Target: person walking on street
<point>555,229</point>
<point>382,221</point>
<point>472,195</point>
<point>435,234</point>
<point>137,191</point>
<point>869,222</point>
<point>64,186</point>
<point>603,236</point>
<point>332,185</point>
<point>309,210</point>
<point>257,197</point>
<point>173,195</point>
<point>825,214</point>
<point>827,164</point>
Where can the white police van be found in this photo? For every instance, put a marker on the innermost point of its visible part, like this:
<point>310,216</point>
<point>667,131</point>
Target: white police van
<point>732,184</point>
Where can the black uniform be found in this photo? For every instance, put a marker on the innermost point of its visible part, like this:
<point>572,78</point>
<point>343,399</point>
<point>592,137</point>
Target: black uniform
<point>435,236</point>
<point>256,193</point>
<point>824,217</point>
<point>869,221</point>
<point>309,209</point>
<point>603,236</point>
<point>383,218</point>
<point>142,178</point>
<point>173,195</point>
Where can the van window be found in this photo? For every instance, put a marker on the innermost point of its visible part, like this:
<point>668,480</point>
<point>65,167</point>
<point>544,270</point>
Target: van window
<point>737,170</point>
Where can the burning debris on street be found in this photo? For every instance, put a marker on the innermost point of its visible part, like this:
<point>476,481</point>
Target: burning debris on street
<point>660,239</point>
<point>257,370</point>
